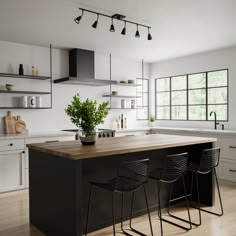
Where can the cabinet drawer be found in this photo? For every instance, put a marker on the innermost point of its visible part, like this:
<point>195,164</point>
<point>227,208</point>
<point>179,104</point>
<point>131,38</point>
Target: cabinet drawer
<point>228,147</point>
<point>227,170</point>
<point>11,144</point>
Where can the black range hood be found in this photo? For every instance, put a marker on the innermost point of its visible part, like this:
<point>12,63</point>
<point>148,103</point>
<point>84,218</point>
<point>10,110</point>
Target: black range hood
<point>82,69</point>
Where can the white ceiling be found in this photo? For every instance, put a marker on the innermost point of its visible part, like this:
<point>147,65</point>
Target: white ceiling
<point>179,27</point>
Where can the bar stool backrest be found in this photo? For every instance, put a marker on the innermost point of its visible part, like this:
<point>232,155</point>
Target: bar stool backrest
<point>174,167</point>
<point>209,160</point>
<point>135,170</point>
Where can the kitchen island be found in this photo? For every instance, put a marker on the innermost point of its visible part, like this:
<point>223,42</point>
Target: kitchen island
<point>59,175</point>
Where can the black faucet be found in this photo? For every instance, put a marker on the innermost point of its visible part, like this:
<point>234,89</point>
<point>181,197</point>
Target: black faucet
<point>216,122</point>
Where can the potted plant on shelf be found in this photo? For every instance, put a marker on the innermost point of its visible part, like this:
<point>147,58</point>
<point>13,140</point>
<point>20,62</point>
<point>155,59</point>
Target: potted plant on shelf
<point>152,121</point>
<point>86,116</point>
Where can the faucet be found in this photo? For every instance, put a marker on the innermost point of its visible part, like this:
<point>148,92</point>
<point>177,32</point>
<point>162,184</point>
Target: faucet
<point>216,122</point>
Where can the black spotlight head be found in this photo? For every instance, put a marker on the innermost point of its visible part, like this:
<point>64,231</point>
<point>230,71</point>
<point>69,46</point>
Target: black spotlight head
<point>95,24</point>
<point>123,32</point>
<point>149,34</point>
<point>78,19</point>
<point>137,35</point>
<point>112,28</point>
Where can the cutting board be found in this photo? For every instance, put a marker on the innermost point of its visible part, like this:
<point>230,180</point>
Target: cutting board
<point>9,123</point>
<point>20,126</point>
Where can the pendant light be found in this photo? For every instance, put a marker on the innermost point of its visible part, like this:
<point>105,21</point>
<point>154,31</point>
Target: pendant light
<point>137,35</point>
<point>112,28</point>
<point>149,34</point>
<point>123,32</point>
<point>78,19</point>
<point>95,23</point>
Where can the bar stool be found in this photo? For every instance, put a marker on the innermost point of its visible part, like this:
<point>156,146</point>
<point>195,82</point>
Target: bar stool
<point>209,161</point>
<point>131,176</point>
<point>174,167</point>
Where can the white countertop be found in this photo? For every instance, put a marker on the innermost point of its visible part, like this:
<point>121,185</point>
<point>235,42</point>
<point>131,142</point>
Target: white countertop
<point>38,134</point>
<point>136,129</point>
<point>200,130</point>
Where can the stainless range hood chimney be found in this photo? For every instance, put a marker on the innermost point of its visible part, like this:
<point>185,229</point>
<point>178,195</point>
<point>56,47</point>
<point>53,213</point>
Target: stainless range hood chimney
<point>82,69</point>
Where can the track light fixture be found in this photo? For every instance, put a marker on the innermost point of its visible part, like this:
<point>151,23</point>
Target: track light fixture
<point>137,35</point>
<point>78,19</point>
<point>95,23</point>
<point>123,32</point>
<point>149,35</point>
<point>112,27</point>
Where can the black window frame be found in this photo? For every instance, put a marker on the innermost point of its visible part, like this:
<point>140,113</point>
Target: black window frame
<point>187,96</point>
<point>148,98</point>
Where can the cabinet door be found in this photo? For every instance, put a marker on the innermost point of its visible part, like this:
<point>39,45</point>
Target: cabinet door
<point>12,170</point>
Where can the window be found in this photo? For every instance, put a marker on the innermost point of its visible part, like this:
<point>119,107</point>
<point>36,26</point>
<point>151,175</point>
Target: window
<point>142,99</point>
<point>192,96</point>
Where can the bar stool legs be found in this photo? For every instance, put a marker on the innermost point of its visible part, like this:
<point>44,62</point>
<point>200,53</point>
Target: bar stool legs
<point>122,206</point>
<point>187,207</point>
<point>168,209</point>
<point>88,210</point>
<point>218,190</point>
<point>113,215</point>
<point>148,211</point>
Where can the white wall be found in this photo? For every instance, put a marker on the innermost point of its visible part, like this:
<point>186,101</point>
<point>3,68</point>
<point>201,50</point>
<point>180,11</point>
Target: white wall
<point>12,54</point>
<point>220,59</point>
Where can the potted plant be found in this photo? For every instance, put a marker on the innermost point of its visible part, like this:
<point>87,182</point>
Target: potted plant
<point>87,115</point>
<point>152,121</point>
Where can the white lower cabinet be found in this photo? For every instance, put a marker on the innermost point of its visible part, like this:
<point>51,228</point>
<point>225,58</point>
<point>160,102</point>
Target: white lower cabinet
<point>12,170</point>
<point>14,161</point>
<point>227,170</point>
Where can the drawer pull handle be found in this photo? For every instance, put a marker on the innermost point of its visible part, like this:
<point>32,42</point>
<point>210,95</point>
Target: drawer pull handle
<point>232,146</point>
<point>232,170</point>
<point>10,144</point>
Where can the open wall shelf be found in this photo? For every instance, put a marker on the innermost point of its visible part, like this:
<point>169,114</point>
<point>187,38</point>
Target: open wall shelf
<point>25,92</point>
<point>33,78</point>
<point>25,76</point>
<point>27,108</point>
<point>121,96</point>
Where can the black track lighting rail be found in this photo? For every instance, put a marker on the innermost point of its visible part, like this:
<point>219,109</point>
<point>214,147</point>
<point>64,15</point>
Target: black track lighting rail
<point>116,17</point>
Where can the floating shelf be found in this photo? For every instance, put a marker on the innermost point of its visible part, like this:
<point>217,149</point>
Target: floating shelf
<point>29,108</point>
<point>123,108</point>
<point>25,92</point>
<point>121,96</point>
<point>25,76</point>
<point>127,84</point>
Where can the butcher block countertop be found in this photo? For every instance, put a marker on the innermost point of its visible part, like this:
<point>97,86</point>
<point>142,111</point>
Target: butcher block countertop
<point>113,146</point>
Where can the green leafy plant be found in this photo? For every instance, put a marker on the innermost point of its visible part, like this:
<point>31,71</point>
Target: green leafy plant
<point>87,115</point>
<point>152,119</point>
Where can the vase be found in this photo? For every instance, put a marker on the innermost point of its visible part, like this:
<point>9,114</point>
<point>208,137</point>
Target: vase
<point>88,137</point>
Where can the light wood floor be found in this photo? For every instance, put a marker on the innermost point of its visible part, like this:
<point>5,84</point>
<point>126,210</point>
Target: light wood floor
<point>14,218</point>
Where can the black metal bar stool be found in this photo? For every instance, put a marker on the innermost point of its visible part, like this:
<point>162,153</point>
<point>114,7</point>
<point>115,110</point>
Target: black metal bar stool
<point>174,167</point>
<point>131,176</point>
<point>209,161</point>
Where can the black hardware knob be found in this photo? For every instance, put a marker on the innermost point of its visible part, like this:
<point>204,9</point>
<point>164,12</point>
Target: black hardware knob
<point>11,144</point>
<point>23,152</point>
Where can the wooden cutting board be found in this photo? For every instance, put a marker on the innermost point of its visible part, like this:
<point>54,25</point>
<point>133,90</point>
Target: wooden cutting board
<point>9,123</point>
<point>20,126</point>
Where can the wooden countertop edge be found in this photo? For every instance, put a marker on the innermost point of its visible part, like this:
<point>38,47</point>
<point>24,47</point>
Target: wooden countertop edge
<point>76,156</point>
